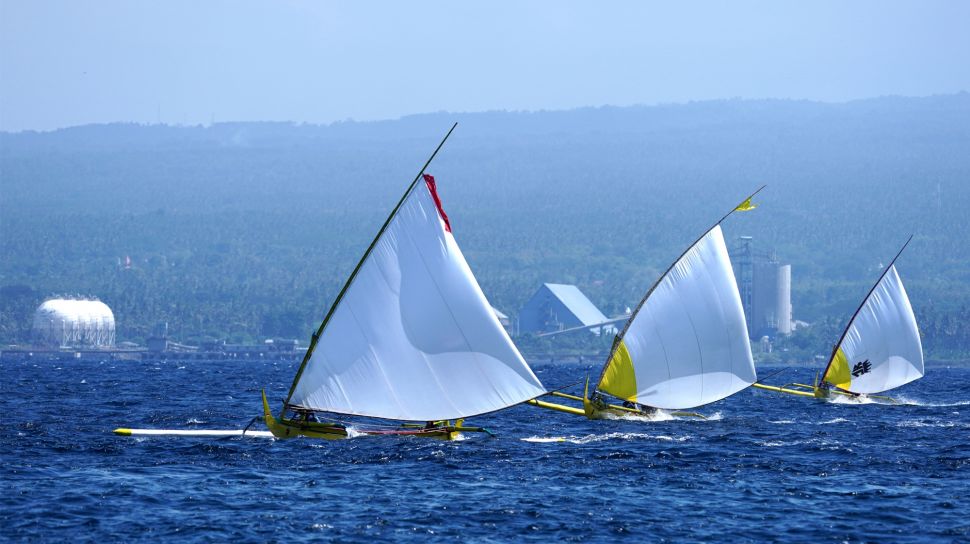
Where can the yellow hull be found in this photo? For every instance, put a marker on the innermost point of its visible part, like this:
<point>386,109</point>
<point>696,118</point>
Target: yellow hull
<point>290,428</point>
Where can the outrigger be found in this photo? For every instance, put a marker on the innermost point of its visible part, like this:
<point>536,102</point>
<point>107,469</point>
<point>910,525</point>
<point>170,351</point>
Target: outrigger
<point>597,407</point>
<point>881,343</point>
<point>822,391</point>
<point>410,338</point>
<point>685,345</point>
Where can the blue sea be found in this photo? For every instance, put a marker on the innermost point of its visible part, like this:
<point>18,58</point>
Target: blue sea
<point>762,467</point>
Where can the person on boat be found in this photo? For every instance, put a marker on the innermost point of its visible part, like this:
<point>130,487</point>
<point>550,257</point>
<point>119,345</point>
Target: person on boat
<point>307,416</point>
<point>598,402</point>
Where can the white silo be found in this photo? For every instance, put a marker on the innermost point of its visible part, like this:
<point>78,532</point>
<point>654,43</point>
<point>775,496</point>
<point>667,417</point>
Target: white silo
<point>74,323</point>
<point>784,300</point>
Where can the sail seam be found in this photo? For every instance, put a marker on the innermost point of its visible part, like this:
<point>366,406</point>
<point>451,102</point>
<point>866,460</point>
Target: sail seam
<point>663,347</point>
<point>700,352</point>
<point>377,358</point>
<point>722,307</point>
<point>464,337</point>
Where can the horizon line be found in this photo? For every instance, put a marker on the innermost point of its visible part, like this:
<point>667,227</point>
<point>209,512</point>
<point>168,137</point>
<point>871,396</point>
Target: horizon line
<point>350,120</point>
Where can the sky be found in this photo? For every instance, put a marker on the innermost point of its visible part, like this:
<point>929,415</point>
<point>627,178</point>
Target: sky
<point>188,62</point>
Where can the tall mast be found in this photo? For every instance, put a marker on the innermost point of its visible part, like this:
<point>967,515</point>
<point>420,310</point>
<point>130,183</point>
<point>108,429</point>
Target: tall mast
<point>848,325</point>
<point>350,280</point>
<point>619,337</point>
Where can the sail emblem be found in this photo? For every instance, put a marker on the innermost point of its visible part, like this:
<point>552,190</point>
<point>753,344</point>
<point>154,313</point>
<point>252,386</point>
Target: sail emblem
<point>861,368</point>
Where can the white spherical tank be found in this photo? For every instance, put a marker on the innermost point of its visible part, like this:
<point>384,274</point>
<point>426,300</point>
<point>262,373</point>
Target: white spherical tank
<point>74,323</point>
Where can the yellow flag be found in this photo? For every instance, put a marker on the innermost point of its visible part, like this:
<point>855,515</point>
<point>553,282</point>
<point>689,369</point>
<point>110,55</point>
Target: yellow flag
<point>745,206</point>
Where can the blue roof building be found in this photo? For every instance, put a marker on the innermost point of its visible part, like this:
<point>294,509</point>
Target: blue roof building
<point>555,307</point>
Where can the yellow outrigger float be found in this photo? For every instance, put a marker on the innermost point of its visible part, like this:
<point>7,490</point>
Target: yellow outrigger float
<point>879,349</point>
<point>817,392</point>
<point>410,338</point>
<point>685,345</point>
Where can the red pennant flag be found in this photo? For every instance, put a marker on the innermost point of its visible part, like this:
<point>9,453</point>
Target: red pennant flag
<point>429,179</point>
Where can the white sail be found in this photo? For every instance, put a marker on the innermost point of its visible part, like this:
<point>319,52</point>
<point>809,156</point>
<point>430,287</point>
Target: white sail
<point>688,344</point>
<point>414,338</point>
<point>881,349</point>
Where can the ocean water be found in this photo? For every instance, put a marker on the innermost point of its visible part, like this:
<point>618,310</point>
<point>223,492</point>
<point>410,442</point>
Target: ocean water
<point>761,467</point>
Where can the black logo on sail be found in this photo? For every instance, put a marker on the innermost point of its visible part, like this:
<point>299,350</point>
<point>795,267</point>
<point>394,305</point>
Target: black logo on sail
<point>861,368</point>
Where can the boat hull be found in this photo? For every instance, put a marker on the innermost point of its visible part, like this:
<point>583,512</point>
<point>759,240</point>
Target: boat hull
<point>290,428</point>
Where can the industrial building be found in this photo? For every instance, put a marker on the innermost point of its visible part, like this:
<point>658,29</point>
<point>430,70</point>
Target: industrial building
<point>556,307</point>
<point>73,324</point>
<point>765,287</point>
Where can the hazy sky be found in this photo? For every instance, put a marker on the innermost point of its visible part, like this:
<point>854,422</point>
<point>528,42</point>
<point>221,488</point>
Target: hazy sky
<point>70,63</point>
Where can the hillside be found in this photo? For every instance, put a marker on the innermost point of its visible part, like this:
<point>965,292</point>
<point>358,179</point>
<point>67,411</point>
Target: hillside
<point>248,230</point>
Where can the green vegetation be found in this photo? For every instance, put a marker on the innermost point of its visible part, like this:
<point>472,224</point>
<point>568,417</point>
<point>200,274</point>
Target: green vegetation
<point>247,231</point>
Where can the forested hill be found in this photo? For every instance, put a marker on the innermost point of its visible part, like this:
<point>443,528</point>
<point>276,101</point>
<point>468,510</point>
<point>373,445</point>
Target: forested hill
<point>248,230</point>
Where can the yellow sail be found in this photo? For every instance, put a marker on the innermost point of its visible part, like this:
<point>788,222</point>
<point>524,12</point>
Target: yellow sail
<point>619,378</point>
<point>838,373</point>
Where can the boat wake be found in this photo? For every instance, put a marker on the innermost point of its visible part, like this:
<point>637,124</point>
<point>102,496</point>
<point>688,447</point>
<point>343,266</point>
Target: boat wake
<point>906,401</point>
<point>590,438</point>
<point>659,415</point>
<point>842,399</point>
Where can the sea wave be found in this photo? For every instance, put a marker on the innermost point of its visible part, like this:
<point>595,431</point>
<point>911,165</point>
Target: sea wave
<point>907,401</point>
<point>604,437</point>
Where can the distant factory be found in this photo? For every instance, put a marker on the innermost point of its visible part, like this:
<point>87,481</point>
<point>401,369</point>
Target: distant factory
<point>765,287</point>
<point>85,328</point>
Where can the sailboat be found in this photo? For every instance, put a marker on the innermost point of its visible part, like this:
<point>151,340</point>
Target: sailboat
<point>879,350</point>
<point>410,338</point>
<point>686,343</point>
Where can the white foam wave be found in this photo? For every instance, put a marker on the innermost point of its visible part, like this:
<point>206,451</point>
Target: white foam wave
<point>821,442</point>
<point>918,423</point>
<point>831,421</point>
<point>659,415</point>
<point>194,421</point>
<point>843,399</point>
<point>602,437</point>
<point>782,422</point>
<point>544,439</point>
<point>915,402</point>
